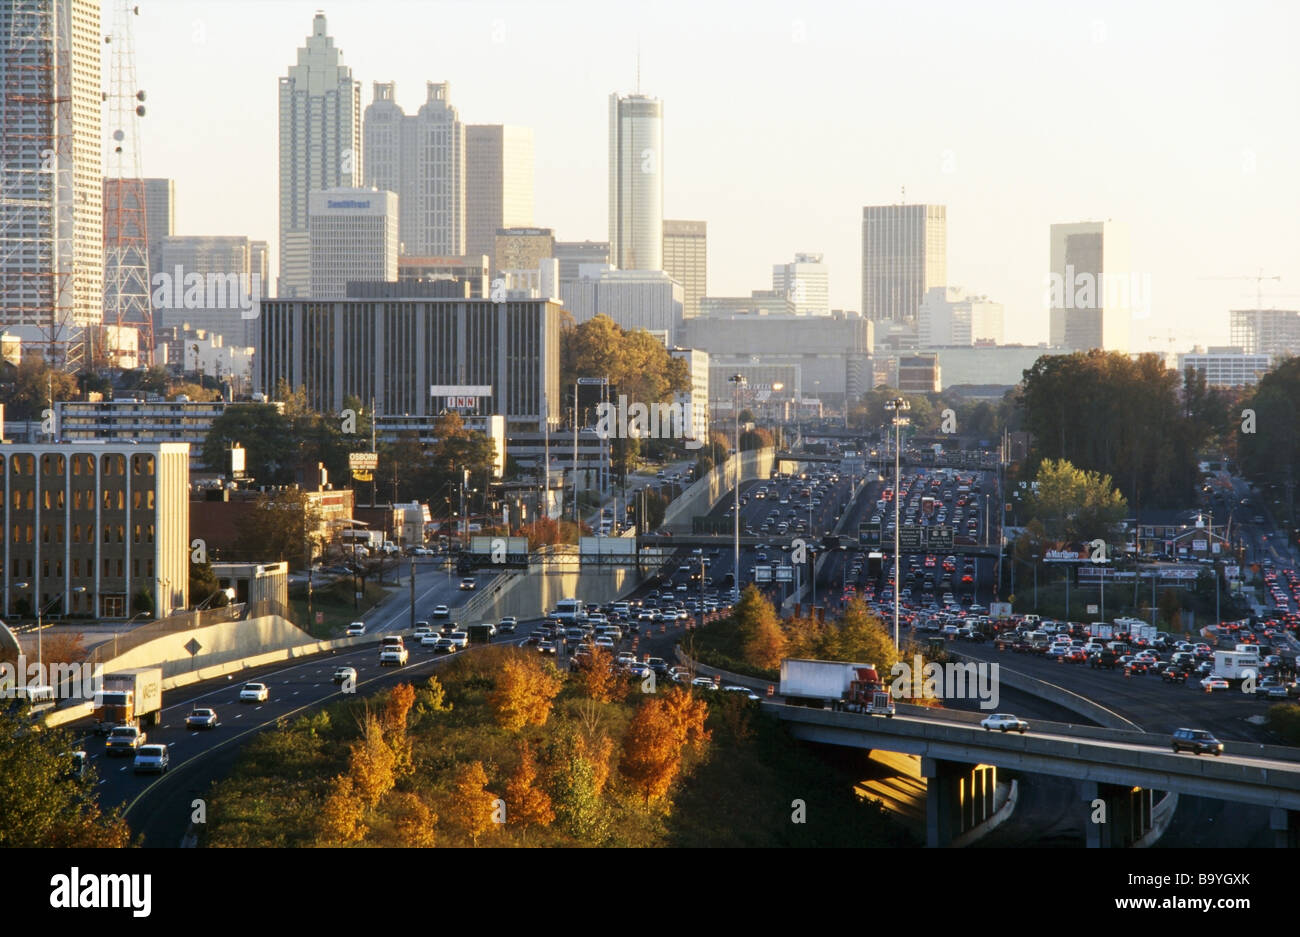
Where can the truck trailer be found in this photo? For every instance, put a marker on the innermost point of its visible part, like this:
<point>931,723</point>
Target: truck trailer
<point>841,684</point>
<point>129,697</point>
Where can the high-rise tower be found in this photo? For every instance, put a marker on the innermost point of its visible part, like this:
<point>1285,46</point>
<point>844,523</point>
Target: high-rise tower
<point>636,182</point>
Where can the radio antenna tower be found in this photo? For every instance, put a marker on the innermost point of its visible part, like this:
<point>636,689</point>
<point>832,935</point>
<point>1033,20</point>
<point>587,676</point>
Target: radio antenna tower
<point>127,302</point>
<point>37,185</point>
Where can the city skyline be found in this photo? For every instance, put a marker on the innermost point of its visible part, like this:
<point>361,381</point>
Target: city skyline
<point>1125,149</point>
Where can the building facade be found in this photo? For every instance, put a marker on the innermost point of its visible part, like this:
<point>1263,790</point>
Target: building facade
<point>521,248</point>
<point>1226,366</point>
<point>697,398</point>
<point>686,260</point>
<point>209,283</point>
<point>498,183</point>
<point>635,299</point>
<point>89,527</point>
<point>320,146</point>
<point>1089,286</point>
<point>904,254</point>
<point>1272,332</point>
<point>950,316</point>
<point>573,255</point>
<point>51,171</point>
<point>353,237</point>
<point>636,182</point>
<point>807,282</point>
<point>473,269</point>
<point>416,357</point>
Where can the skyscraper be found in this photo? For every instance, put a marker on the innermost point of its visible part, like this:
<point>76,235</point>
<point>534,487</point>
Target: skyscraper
<point>904,254</point>
<point>1089,286</point>
<point>499,183</point>
<point>210,283</point>
<point>320,145</point>
<point>686,260</point>
<point>51,171</point>
<point>807,282</point>
<point>420,157</point>
<point>573,254</point>
<point>636,182</point>
<point>353,237</point>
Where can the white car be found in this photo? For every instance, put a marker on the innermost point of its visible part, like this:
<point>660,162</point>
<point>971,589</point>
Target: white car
<point>430,639</point>
<point>1004,722</point>
<point>356,628</point>
<point>741,689</point>
<point>1214,682</point>
<point>460,639</point>
<point>201,719</point>
<point>508,624</point>
<point>345,674</point>
<point>152,758</point>
<point>441,611</point>
<point>254,693</point>
<point>605,642</point>
<point>704,683</point>
<point>395,654</point>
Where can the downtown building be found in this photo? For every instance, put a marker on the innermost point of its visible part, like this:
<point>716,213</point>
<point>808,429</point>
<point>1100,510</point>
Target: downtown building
<point>1272,332</point>
<point>1090,286</point>
<point>421,158</point>
<point>574,255</point>
<point>498,184</point>
<point>636,182</point>
<point>212,283</point>
<point>686,260</point>
<point>320,146</point>
<point>353,238</point>
<point>1226,366</point>
<point>634,299</point>
<point>807,282</point>
<point>159,219</point>
<point>51,173</point>
<point>89,526</point>
<point>904,255</point>
<point>950,316</point>
<point>416,355</point>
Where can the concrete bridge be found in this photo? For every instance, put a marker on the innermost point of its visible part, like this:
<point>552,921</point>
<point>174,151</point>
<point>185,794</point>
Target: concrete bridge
<point>1117,770</point>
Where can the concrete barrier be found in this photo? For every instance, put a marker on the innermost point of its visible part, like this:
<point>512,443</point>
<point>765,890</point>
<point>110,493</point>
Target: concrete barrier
<point>1058,695</point>
<point>708,491</point>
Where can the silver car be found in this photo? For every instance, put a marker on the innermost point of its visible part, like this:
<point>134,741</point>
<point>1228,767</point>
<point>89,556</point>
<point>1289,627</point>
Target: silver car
<point>152,758</point>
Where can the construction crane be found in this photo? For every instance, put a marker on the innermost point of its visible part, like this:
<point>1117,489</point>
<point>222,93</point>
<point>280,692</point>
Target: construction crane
<point>1259,279</point>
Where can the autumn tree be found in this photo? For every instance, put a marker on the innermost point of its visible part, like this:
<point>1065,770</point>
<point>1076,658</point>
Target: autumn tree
<point>595,677</point>
<point>475,805</point>
<point>686,714</point>
<point>394,722</point>
<point>863,637</point>
<point>527,804</point>
<point>525,691</point>
<point>415,823</point>
<point>341,819</point>
<point>572,783</point>
<point>652,752</point>
<point>762,639</point>
<point>372,764</point>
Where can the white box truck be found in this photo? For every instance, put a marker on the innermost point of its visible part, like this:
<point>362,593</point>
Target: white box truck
<point>1236,665</point>
<point>843,685</point>
<point>129,697</point>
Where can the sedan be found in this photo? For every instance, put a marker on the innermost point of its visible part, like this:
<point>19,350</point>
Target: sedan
<point>460,639</point>
<point>1004,722</point>
<point>605,642</point>
<point>153,758</point>
<point>254,693</point>
<point>441,611</point>
<point>201,719</point>
<point>356,628</point>
<point>508,624</point>
<point>546,647</point>
<point>1214,682</point>
<point>345,675</point>
<point>430,640</point>
<point>741,689</point>
<point>444,645</point>
<point>704,683</point>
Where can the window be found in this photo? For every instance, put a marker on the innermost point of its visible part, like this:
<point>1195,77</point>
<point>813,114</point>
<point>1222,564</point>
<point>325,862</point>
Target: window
<point>148,499</point>
<point>121,533</point>
<point>137,533</point>
<point>108,500</point>
<point>149,534</point>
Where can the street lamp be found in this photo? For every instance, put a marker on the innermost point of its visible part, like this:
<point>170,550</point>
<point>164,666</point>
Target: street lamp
<point>897,406</point>
<point>739,381</point>
<point>40,644</point>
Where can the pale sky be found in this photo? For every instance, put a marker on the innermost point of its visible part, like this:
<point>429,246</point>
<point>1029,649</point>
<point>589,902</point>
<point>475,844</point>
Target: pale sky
<point>783,119</point>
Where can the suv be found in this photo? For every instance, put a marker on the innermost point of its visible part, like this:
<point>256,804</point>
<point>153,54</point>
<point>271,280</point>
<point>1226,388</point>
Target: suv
<point>1195,741</point>
<point>469,583</point>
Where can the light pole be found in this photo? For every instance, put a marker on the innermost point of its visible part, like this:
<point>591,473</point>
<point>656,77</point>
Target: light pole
<point>40,643</point>
<point>739,381</point>
<point>897,406</point>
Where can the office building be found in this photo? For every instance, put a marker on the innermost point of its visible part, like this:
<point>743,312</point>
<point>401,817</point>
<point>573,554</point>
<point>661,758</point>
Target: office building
<point>320,146</point>
<point>51,173</point>
<point>421,158</point>
<point>696,400</point>
<point>686,260</point>
<point>1090,286</point>
<point>498,183</point>
<point>213,283</point>
<point>1272,332</point>
<point>517,249</point>
<point>919,374</point>
<point>951,316</point>
<point>96,528</point>
<point>636,182</point>
<point>474,269</point>
<point>353,238</point>
<point>757,303</point>
<point>635,299</point>
<point>807,282</point>
<point>416,356</point>
<point>573,255</point>
<point>1227,366</point>
<point>904,254</point>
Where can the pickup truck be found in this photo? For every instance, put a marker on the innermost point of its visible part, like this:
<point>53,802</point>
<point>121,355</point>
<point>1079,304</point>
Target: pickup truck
<point>124,740</point>
<point>394,654</point>
<point>1104,660</point>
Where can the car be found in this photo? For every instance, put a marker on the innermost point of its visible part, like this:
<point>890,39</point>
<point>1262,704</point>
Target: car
<point>254,693</point>
<point>421,629</point>
<point>1196,741</point>
<point>546,647</point>
<point>441,612</point>
<point>460,639</point>
<point>468,583</point>
<point>659,666</point>
<point>201,719</point>
<point>123,739</point>
<point>704,683</point>
<point>444,645</point>
<point>153,758</point>
<point>508,624</point>
<point>430,640</point>
<point>741,689</point>
<point>345,675</point>
<point>395,654</point>
<point>1004,722</point>
<point>356,628</point>
<point>1213,682</point>
<point>77,763</point>
<point>605,642</point>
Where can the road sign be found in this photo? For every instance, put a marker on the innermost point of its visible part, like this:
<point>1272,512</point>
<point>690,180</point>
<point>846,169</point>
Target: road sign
<point>785,574</point>
<point>869,535</point>
<point>909,537</point>
<point>1092,610</point>
<point>762,574</point>
<point>940,537</point>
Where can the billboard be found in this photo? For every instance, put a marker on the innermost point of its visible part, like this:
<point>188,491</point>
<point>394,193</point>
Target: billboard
<point>607,546</point>
<point>502,546</point>
<point>1000,610</point>
<point>363,461</point>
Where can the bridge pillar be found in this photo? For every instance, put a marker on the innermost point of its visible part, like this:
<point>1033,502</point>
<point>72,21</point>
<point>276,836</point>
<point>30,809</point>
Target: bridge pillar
<point>1285,825</point>
<point>1122,817</point>
<point>943,800</point>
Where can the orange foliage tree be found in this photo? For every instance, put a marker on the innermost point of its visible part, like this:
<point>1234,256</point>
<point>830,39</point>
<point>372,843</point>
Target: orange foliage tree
<point>525,691</point>
<point>526,803</point>
<point>475,805</point>
<point>596,678</point>
<point>341,817</point>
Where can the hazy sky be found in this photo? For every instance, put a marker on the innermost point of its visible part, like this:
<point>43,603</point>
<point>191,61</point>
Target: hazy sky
<point>783,119</point>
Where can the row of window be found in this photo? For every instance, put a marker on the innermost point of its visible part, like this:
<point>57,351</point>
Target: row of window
<point>113,566</point>
<point>84,500</point>
<point>52,464</point>
<point>25,533</point>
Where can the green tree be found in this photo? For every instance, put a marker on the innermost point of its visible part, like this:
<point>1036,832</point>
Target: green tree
<point>1074,505</point>
<point>278,526</point>
<point>266,436</point>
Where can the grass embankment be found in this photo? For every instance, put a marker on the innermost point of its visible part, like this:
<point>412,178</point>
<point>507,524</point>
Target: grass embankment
<point>337,604</point>
<point>325,780</point>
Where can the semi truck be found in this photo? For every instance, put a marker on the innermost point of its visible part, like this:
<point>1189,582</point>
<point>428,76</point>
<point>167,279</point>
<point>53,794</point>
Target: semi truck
<point>842,685</point>
<point>128,698</point>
